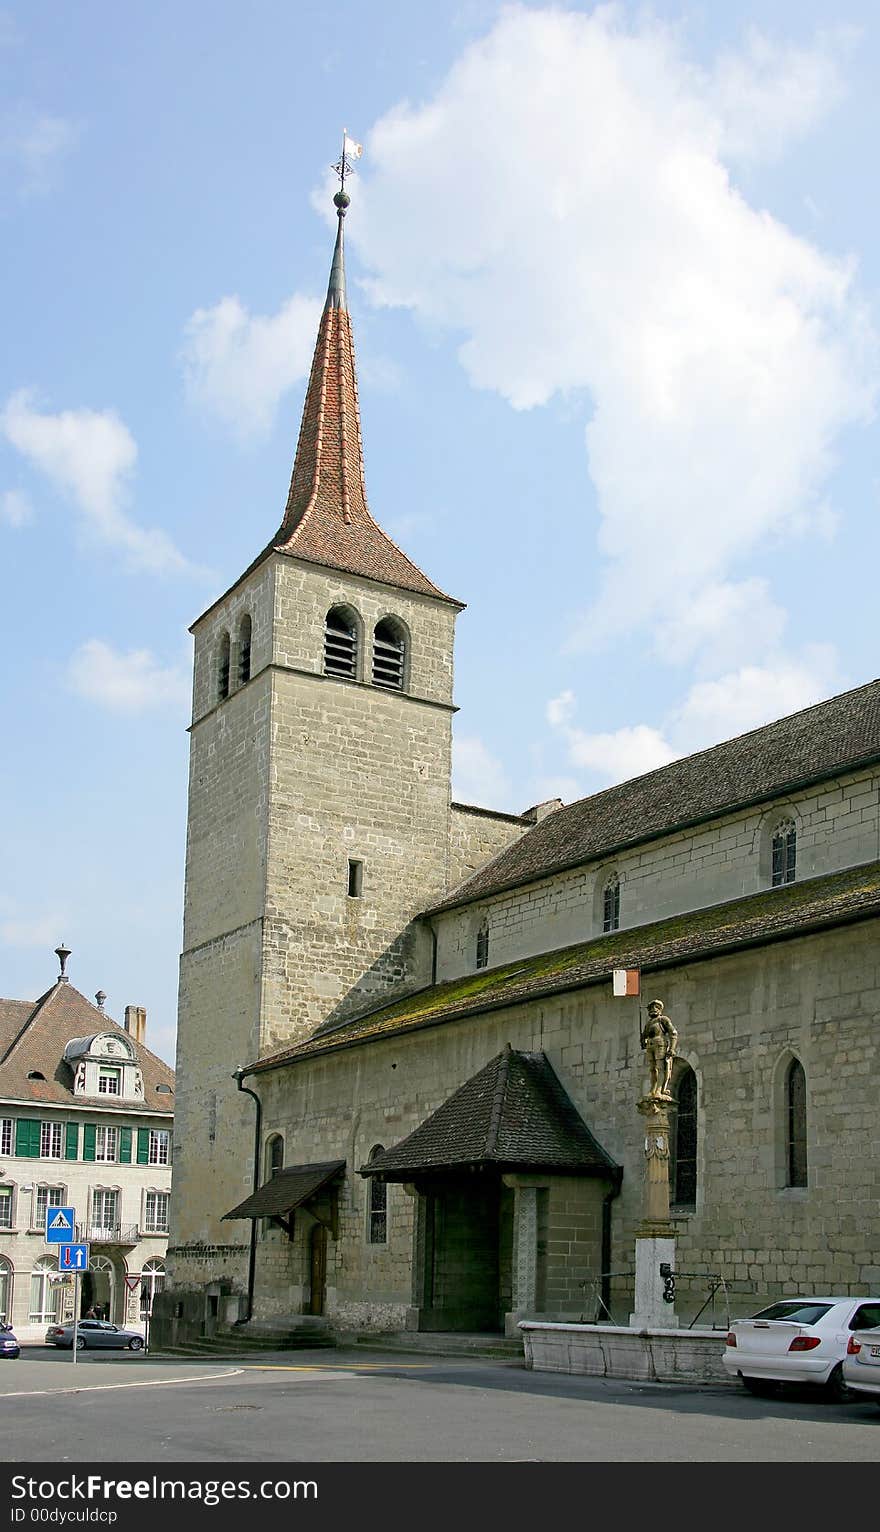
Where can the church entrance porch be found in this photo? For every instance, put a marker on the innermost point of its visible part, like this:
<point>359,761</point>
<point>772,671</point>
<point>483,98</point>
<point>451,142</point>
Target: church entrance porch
<point>463,1248</point>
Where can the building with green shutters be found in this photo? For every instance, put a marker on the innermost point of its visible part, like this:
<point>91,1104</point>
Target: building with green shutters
<point>86,1115</point>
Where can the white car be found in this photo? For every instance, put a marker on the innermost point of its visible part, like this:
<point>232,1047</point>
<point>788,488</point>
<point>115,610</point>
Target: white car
<point>861,1365</point>
<point>798,1340</point>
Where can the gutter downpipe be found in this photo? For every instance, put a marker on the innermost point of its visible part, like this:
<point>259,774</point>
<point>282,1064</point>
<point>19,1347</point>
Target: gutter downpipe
<point>238,1076</point>
<point>605,1290</point>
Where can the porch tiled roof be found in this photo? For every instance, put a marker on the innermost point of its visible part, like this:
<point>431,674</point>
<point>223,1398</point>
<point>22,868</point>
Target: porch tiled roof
<point>513,1114</point>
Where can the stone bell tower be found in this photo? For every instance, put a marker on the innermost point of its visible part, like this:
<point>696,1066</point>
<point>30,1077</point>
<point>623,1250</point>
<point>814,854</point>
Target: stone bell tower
<point>319,788</point>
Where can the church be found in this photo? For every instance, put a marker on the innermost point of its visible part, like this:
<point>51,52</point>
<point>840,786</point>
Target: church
<point>405,1088</point>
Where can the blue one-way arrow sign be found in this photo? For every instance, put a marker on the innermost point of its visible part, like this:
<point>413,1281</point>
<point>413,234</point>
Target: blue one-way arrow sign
<point>60,1225</point>
<point>73,1258</point>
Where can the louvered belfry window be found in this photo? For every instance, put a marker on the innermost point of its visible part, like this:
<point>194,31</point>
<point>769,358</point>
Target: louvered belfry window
<point>244,651</point>
<point>223,669</point>
<point>388,656</point>
<point>340,644</point>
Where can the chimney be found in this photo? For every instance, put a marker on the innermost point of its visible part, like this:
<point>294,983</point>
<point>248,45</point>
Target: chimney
<point>136,1023</point>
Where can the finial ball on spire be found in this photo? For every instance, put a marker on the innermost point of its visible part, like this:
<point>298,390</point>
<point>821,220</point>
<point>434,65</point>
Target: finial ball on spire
<point>341,201</point>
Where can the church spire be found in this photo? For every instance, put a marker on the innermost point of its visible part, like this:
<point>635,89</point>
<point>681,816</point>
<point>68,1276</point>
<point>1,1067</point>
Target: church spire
<point>327,520</point>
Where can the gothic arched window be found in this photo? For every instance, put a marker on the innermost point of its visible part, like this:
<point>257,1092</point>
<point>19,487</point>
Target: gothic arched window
<point>378,1222</point>
<point>389,654</point>
<point>784,853</point>
<point>244,650</point>
<point>795,1124</point>
<point>483,943</point>
<point>341,643</point>
<point>611,905</point>
<point>683,1149</point>
<point>274,1154</point>
<point>223,669</point>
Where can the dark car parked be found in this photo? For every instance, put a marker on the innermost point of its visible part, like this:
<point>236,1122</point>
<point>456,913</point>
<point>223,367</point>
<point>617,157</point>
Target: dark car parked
<point>9,1342</point>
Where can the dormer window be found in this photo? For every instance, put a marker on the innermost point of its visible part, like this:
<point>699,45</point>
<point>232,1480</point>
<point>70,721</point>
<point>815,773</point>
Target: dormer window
<point>109,1080</point>
<point>389,652</point>
<point>341,643</point>
<point>244,650</point>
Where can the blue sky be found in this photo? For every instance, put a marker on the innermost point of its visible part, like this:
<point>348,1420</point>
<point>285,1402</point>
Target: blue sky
<point>614,278</point>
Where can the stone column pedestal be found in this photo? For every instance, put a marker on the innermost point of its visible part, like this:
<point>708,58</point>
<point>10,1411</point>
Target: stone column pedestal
<point>651,1312</point>
<point>655,1241</point>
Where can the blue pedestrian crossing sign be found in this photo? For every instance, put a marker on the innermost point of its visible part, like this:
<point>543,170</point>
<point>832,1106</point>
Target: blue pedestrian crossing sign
<point>73,1258</point>
<point>60,1226</point>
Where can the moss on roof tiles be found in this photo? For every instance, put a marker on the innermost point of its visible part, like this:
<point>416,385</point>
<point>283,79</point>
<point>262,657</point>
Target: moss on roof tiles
<point>755,919</point>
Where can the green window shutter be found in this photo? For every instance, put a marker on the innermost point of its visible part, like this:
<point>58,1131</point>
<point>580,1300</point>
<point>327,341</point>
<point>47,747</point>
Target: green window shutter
<point>88,1141</point>
<point>125,1145</point>
<point>71,1147</point>
<point>143,1150</point>
<point>27,1138</point>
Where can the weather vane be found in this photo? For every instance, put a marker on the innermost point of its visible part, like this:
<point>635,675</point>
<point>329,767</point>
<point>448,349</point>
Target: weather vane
<point>350,151</point>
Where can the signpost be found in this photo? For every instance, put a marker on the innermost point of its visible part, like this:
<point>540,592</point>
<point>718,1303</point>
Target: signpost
<point>60,1230</point>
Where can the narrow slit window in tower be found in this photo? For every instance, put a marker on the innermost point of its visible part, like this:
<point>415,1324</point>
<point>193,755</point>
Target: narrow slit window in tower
<point>355,879</point>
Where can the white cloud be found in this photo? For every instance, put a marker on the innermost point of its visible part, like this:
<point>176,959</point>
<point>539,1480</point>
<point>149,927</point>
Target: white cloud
<point>89,455</point>
<point>712,711</point>
<point>478,777</point>
<point>15,508</point>
<point>578,225</point>
<point>237,365</point>
<point>769,94</point>
<point>621,753</point>
<point>754,695</point>
<point>129,682</point>
<point>35,144</point>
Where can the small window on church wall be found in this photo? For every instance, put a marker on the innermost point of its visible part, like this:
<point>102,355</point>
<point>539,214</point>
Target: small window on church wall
<point>274,1154</point>
<point>796,1124</point>
<point>244,650</point>
<point>378,1224</point>
<point>355,879</point>
<point>483,945</point>
<point>784,853</point>
<point>340,644</point>
<point>611,905</point>
<point>223,669</point>
<point>388,655</point>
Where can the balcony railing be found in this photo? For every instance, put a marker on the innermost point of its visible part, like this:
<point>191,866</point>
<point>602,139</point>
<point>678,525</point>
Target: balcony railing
<point>108,1234</point>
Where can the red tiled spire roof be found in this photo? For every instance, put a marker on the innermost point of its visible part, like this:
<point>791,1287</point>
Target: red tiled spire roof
<point>327,519</point>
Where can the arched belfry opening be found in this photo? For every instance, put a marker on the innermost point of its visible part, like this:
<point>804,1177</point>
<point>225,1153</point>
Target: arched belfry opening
<point>341,643</point>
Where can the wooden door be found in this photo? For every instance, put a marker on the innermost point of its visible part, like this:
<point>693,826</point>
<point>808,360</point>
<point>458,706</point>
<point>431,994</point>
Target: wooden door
<point>317,1268</point>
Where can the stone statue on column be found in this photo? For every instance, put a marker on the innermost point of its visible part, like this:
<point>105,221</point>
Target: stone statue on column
<point>655,1240</point>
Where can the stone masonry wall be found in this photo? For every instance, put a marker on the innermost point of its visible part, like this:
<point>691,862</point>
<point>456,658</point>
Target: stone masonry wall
<point>838,826</point>
<point>475,837</point>
<point>741,1019</point>
<point>357,773</point>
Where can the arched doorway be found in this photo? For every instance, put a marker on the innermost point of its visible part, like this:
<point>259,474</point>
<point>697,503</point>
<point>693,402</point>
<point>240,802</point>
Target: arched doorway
<point>152,1282</point>
<point>99,1288</point>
